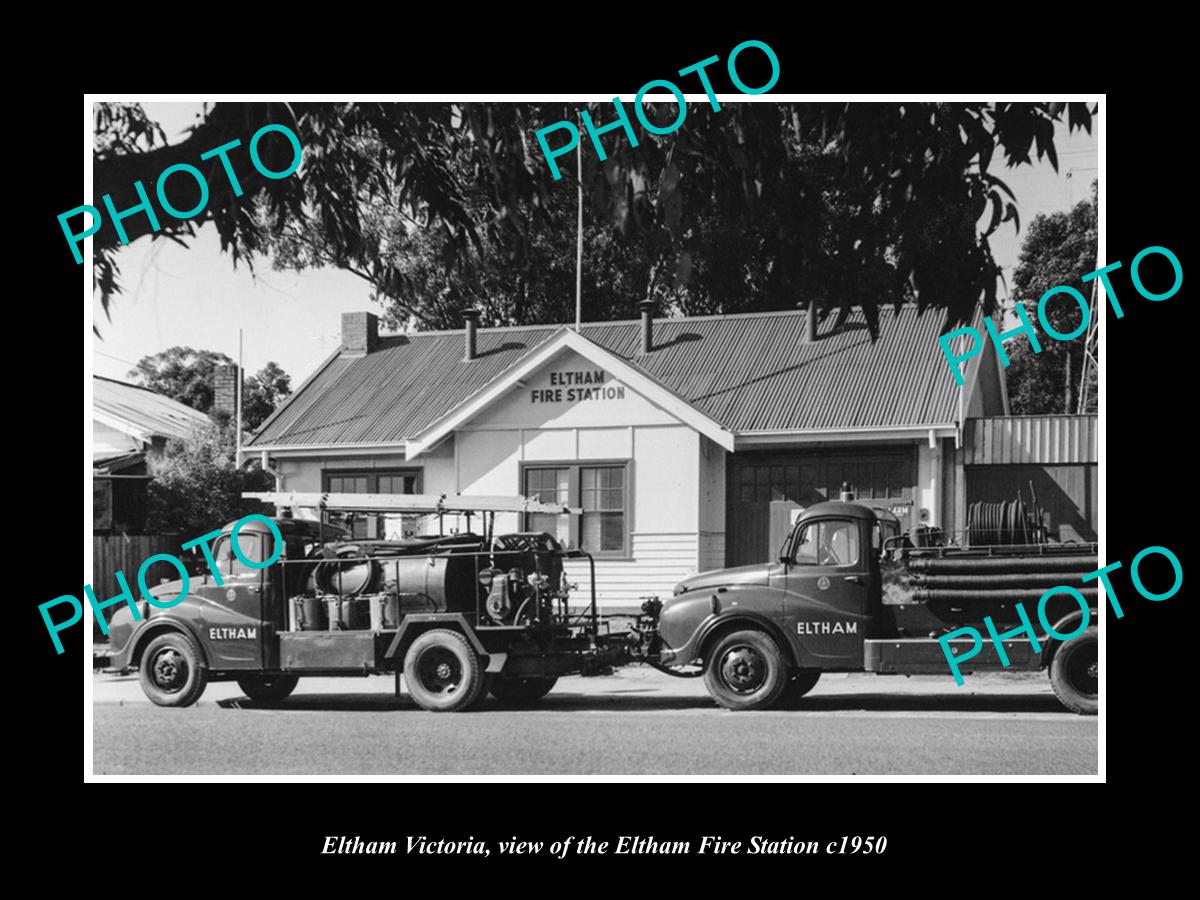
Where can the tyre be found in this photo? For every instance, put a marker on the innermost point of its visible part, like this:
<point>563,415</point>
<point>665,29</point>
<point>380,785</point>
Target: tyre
<point>746,670</point>
<point>801,682</point>
<point>484,689</point>
<point>522,690</point>
<point>171,672</point>
<point>1075,673</point>
<point>268,688</point>
<point>442,671</point>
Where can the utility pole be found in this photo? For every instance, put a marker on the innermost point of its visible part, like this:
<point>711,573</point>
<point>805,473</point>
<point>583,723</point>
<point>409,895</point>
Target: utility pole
<point>1091,362</point>
<point>238,426</point>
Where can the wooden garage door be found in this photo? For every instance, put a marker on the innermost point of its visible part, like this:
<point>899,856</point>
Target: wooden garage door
<point>886,477</point>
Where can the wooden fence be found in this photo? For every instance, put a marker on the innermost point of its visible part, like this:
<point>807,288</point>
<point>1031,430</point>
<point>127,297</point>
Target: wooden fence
<point>112,553</point>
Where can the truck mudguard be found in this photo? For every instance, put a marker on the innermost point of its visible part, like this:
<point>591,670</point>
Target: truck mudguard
<point>147,630</point>
<point>417,619</point>
<point>1066,625</point>
<point>733,620</point>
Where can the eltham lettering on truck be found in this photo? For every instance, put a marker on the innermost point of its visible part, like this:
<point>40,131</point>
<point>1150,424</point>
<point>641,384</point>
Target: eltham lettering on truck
<point>126,596</point>
<point>967,350</point>
<point>160,189</point>
<point>622,120</point>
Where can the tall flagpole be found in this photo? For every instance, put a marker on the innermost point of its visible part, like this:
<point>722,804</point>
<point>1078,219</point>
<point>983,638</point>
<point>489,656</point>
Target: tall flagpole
<point>579,238</point>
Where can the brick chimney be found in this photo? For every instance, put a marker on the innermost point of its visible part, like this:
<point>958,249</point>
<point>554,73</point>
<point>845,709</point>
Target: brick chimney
<point>225,379</point>
<point>647,308</point>
<point>360,333</point>
<point>471,318</point>
<point>810,323</point>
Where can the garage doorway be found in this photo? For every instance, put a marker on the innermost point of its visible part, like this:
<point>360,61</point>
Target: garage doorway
<point>886,477</point>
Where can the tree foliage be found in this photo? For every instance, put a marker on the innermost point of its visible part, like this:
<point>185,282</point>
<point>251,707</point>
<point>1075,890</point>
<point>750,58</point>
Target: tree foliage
<point>198,487</point>
<point>263,393</point>
<point>1059,249</point>
<point>757,206</point>
<point>187,375</point>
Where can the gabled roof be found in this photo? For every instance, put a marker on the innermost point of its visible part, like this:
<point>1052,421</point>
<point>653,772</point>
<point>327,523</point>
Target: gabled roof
<point>745,374</point>
<point>140,412</point>
<point>565,339</point>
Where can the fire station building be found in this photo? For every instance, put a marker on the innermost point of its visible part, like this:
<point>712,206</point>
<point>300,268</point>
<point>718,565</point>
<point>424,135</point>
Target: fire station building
<point>672,436</point>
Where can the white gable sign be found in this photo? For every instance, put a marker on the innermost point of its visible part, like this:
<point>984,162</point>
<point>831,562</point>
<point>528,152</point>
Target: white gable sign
<point>575,385</point>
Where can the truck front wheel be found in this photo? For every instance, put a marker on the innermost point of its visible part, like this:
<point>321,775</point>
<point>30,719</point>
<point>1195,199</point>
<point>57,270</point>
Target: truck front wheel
<point>442,671</point>
<point>268,688</point>
<point>799,684</point>
<point>1075,673</point>
<point>745,670</point>
<point>170,671</point>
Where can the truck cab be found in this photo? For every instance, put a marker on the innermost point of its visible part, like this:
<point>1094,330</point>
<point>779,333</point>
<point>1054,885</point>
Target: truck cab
<point>230,613</point>
<point>813,604</point>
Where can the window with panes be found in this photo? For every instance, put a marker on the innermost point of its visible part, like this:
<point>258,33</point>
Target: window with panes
<point>378,481</point>
<point>600,490</point>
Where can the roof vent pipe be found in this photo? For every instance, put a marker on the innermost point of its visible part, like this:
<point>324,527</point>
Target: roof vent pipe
<point>810,323</point>
<point>472,320</point>
<point>647,308</point>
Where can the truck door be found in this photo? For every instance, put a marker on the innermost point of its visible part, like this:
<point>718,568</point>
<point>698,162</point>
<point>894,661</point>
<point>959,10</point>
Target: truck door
<point>828,584</point>
<point>232,622</point>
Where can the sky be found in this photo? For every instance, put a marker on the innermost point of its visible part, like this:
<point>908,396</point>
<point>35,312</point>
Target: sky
<point>195,297</point>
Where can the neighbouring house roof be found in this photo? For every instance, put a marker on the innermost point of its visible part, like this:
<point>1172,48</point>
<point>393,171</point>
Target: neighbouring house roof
<point>140,413</point>
<point>746,373</point>
<point>126,464</point>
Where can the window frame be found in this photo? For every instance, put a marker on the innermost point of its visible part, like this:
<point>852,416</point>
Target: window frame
<point>372,476</point>
<point>575,469</point>
<point>794,545</point>
<point>235,567</point>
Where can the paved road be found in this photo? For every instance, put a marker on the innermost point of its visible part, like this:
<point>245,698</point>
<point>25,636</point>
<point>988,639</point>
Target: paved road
<point>637,722</point>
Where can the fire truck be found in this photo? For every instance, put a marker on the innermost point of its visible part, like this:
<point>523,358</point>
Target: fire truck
<point>459,614</point>
<point>849,593</point>
<point>463,614</point>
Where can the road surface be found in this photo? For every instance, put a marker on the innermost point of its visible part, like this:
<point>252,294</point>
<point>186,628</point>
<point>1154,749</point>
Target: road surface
<point>636,722</point>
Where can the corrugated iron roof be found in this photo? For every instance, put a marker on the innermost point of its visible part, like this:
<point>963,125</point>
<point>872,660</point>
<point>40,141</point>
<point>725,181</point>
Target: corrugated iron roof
<point>1046,439</point>
<point>750,373</point>
<point>142,412</point>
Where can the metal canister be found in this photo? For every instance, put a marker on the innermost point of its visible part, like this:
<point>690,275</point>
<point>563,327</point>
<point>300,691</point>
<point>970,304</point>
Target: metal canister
<point>348,613</point>
<point>309,612</point>
<point>384,609</point>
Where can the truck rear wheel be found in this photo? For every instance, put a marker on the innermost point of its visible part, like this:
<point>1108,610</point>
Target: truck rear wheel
<point>1075,673</point>
<point>268,688</point>
<point>521,690</point>
<point>745,670</point>
<point>170,671</point>
<point>442,672</point>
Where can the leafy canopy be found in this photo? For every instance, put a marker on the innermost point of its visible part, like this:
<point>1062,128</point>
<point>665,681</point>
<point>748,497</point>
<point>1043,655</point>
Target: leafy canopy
<point>1059,249</point>
<point>757,206</point>
<point>186,375</point>
<point>197,486</point>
